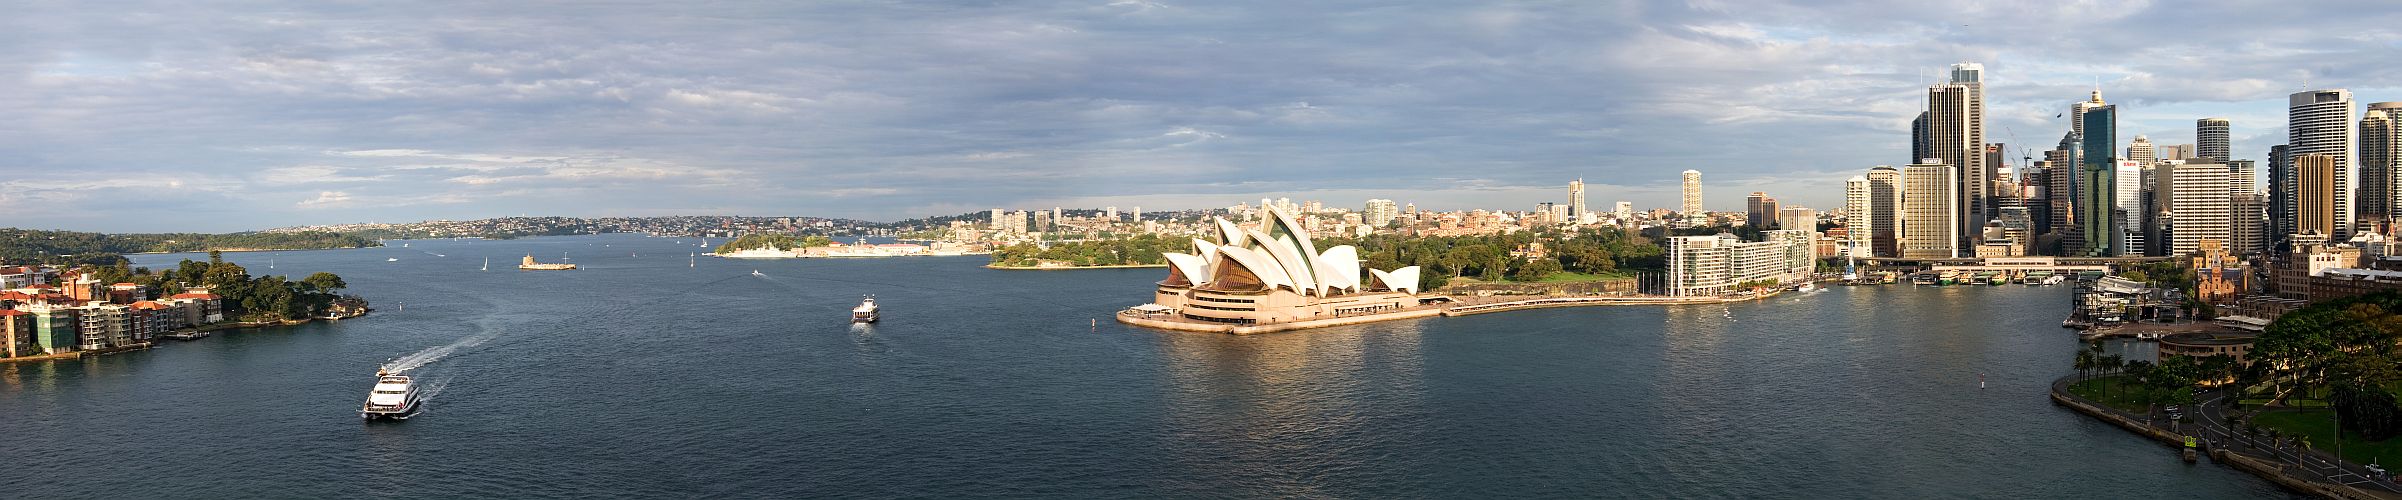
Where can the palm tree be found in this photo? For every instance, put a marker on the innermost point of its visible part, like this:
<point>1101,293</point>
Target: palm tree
<point>2085,362</point>
<point>2251,432</point>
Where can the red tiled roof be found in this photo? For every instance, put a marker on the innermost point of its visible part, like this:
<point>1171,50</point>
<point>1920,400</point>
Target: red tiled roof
<point>12,312</point>
<point>150,305</point>
<point>15,296</point>
<point>201,296</point>
<point>41,286</point>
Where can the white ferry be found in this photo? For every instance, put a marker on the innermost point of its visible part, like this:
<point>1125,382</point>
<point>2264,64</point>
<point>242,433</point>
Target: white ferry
<point>394,397</point>
<point>866,312</point>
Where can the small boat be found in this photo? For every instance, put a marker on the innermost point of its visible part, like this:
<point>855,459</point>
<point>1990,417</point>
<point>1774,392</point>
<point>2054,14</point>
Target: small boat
<point>755,272</point>
<point>867,312</point>
<point>1807,287</point>
<point>391,259</point>
<point>487,264</point>
<point>394,397</point>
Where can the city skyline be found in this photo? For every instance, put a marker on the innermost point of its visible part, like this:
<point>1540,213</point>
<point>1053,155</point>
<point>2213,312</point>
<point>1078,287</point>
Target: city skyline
<point>317,114</point>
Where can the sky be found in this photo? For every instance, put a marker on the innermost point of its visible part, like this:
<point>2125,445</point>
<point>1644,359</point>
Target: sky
<point>227,116</point>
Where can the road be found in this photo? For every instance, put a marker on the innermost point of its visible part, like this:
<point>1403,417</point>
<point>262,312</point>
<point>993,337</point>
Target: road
<point>2318,464</point>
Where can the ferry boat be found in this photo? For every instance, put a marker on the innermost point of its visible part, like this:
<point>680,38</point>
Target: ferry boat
<point>394,397</point>
<point>866,312</point>
<point>531,265</point>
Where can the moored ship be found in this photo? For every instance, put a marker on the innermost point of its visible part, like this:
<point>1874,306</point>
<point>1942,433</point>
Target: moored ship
<point>531,265</point>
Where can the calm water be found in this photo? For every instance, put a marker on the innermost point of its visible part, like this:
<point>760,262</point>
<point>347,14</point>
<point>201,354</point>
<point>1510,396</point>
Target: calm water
<point>638,376</point>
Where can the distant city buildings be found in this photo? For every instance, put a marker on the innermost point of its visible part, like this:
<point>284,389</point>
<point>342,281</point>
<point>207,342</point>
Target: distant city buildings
<point>1722,264</point>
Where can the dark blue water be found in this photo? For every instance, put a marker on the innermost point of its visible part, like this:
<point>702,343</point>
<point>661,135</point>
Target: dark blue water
<point>639,376</point>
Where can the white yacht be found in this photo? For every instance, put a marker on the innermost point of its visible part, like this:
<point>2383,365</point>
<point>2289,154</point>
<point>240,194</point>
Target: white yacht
<point>394,397</point>
<point>866,312</point>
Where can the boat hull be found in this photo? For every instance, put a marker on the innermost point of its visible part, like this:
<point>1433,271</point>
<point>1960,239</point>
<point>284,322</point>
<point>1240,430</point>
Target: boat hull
<point>403,413</point>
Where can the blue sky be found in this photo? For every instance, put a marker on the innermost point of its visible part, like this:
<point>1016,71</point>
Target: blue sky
<point>152,116</point>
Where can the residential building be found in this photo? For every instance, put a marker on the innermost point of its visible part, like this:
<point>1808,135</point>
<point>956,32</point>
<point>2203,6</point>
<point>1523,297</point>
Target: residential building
<point>1690,206</point>
<point>1930,226</point>
<point>1576,203</point>
<point>1856,214</point>
<point>1719,265</point>
<point>16,334</point>
<point>1797,219</point>
<point>2321,122</point>
<point>1759,210</point>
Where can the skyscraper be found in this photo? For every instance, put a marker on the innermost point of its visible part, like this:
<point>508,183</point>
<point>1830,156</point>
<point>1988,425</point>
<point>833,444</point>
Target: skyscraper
<point>2321,122</point>
<point>2381,161</point>
<point>1885,211</point>
<point>2197,206</point>
<point>1856,214</point>
<point>1922,143</point>
<point>1952,109</point>
<point>1759,210</point>
<point>2210,139</point>
<point>1691,208</point>
<point>2097,179</point>
<point>2141,151</point>
<point>2321,208</point>
<point>1930,225</point>
<point>2242,178</point>
<point>1576,202</point>
<point>2282,206</point>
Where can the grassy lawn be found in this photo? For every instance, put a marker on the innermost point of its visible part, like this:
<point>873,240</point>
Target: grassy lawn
<point>1574,277</point>
<point>2320,426</point>
<point>2115,391</point>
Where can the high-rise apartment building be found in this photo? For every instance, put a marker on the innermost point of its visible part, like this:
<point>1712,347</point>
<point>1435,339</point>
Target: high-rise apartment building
<point>1885,211</point>
<point>2196,206</point>
<point>1623,210</point>
<point>999,223</point>
<point>2210,139</point>
<point>1856,214</point>
<point>1576,202</point>
<point>1691,206</point>
<point>2321,122</point>
<point>1930,213</point>
<point>1797,219</point>
<point>2098,219</point>
<point>1379,213</point>
<point>1759,210</point>
<point>2320,210</point>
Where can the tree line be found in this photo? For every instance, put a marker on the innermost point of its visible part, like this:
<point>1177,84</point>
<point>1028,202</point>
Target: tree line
<point>1440,258</point>
<point>80,248</point>
<point>1146,249</point>
<point>778,240</point>
<point>245,297</point>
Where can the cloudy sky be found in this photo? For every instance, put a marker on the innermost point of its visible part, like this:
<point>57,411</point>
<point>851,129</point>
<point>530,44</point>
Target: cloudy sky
<point>149,116</point>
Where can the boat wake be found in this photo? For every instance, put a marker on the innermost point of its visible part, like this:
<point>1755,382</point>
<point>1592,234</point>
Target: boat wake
<point>431,354</point>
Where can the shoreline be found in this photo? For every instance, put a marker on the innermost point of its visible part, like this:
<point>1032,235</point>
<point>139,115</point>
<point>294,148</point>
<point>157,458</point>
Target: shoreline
<point>2275,473</point>
<point>203,330</point>
<point>1071,268</point>
<point>1174,323</point>
<point>247,250</point>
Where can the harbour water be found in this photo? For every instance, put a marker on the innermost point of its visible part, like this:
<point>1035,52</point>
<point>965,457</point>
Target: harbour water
<point>638,376</point>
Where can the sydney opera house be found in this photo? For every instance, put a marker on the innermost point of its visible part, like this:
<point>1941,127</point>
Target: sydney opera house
<point>1273,274</point>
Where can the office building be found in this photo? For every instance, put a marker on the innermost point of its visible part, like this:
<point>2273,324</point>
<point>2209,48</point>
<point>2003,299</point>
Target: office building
<point>2141,151</point>
<point>2319,211</point>
<point>2210,139</point>
<point>2321,122</point>
<point>2133,181</point>
<point>2381,161</point>
<point>2282,206</point>
<point>1885,211</point>
<point>2197,206</point>
<point>1930,217</point>
<point>1951,108</point>
<point>1576,203</point>
<point>2098,217</point>
<point>2241,177</point>
<point>2247,224</point>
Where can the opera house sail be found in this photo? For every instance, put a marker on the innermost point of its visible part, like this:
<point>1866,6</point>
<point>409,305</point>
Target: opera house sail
<point>1275,274</point>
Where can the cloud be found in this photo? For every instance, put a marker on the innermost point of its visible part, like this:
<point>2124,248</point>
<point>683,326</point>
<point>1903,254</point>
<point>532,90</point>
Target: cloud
<point>326,199</point>
<point>891,110</point>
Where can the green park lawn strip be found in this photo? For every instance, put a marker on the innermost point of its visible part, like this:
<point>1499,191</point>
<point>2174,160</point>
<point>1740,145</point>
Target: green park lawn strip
<point>2114,391</point>
<point>2320,426</point>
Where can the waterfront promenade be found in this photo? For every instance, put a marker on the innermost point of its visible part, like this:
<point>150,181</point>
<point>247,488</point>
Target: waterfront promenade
<point>1444,306</point>
<point>2313,471</point>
